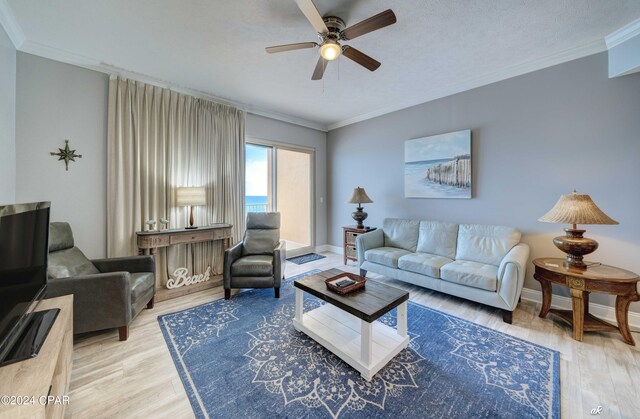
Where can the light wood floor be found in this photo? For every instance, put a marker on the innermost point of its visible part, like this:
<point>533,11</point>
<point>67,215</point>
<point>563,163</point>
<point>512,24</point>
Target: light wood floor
<point>137,378</point>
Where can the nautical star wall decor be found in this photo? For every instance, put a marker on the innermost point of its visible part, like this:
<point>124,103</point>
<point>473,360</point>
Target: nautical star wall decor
<point>66,154</point>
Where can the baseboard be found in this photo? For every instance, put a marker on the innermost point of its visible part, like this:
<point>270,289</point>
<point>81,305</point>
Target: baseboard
<point>329,248</point>
<point>564,303</point>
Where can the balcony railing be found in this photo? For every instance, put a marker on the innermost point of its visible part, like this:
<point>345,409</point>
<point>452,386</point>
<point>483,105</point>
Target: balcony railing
<point>256,208</point>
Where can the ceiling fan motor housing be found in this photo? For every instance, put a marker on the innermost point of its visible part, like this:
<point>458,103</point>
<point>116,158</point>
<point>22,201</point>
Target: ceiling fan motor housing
<point>335,26</point>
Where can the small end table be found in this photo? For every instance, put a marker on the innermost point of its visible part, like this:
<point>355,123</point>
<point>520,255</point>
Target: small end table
<point>582,282</point>
<point>349,241</point>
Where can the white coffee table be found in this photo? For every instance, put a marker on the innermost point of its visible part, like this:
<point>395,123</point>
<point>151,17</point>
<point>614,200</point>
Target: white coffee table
<point>348,326</point>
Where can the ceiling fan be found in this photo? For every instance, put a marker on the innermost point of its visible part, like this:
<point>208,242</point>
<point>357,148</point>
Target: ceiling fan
<point>331,30</point>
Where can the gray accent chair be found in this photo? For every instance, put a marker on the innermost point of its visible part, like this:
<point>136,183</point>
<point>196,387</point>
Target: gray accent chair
<point>258,260</point>
<point>107,293</point>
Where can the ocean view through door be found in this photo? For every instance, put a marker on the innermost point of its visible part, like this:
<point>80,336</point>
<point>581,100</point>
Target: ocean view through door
<point>280,178</point>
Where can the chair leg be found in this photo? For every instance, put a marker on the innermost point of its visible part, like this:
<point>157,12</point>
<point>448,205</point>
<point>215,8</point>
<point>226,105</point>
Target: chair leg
<point>277,291</point>
<point>507,316</point>
<point>123,331</point>
<point>151,302</point>
<point>363,272</point>
<point>227,294</point>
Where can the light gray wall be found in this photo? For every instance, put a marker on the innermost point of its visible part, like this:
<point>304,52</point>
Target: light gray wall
<point>624,58</point>
<point>7,119</point>
<point>272,130</point>
<point>534,137</point>
<point>57,101</point>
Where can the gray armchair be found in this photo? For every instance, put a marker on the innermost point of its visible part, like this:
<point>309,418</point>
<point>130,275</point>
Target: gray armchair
<point>258,260</point>
<point>107,293</point>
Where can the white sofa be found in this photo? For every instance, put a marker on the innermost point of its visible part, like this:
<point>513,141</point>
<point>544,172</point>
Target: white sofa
<point>482,263</point>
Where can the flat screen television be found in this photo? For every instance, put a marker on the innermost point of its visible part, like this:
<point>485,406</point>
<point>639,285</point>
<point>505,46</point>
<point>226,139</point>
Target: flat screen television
<point>24,248</point>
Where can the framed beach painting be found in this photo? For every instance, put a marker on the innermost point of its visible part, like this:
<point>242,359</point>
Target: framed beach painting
<point>438,166</point>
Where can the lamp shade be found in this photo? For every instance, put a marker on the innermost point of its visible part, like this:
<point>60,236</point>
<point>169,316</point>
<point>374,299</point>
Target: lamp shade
<point>186,196</point>
<point>576,209</point>
<point>330,50</point>
<point>359,196</point>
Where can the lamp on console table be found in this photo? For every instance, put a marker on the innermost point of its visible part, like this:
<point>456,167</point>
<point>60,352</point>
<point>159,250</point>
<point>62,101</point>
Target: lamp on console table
<point>576,209</point>
<point>189,197</point>
<point>359,197</point>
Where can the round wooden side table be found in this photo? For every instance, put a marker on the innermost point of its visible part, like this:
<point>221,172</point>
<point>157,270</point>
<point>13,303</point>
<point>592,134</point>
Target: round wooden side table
<point>596,278</point>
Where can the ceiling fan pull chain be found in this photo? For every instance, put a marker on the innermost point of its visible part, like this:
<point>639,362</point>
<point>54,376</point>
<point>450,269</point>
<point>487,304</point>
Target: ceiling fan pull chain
<point>323,83</point>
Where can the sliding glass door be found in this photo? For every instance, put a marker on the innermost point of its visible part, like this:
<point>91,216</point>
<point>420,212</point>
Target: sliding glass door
<point>280,178</point>
<point>258,193</point>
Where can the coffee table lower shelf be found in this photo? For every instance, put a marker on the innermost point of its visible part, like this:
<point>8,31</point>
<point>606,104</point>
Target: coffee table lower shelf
<point>367,347</point>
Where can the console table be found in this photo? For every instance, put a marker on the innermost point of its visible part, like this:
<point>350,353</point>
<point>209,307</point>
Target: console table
<point>582,282</point>
<point>152,240</point>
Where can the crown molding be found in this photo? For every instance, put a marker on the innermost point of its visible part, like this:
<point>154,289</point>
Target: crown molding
<point>623,34</point>
<point>91,63</point>
<point>589,48</point>
<point>255,110</point>
<point>45,51</point>
<point>15,33</point>
<point>10,24</point>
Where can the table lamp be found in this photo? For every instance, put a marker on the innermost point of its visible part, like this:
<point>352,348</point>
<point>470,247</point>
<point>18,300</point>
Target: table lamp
<point>359,197</point>
<point>576,209</point>
<point>190,196</point>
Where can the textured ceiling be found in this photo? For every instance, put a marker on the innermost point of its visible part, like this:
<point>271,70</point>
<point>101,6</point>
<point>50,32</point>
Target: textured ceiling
<point>437,47</point>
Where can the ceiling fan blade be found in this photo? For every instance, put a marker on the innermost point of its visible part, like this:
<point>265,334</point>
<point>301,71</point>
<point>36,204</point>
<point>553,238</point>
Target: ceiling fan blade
<point>290,47</point>
<point>319,71</point>
<point>374,23</point>
<point>313,16</point>
<point>360,58</point>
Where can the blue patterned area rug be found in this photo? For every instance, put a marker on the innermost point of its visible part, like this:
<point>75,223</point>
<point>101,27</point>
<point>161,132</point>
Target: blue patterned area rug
<point>242,358</point>
<point>309,257</point>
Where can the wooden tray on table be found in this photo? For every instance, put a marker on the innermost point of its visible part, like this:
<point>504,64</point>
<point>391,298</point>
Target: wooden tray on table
<point>358,285</point>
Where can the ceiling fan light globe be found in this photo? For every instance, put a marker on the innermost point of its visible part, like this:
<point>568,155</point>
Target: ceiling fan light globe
<point>330,50</point>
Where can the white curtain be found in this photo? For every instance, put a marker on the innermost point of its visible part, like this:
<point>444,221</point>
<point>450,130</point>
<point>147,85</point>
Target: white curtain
<point>159,140</point>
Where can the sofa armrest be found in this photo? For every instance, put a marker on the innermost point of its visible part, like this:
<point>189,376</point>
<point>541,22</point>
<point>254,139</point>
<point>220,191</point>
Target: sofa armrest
<point>511,274</point>
<point>100,301</point>
<point>367,241</point>
<point>279,260</point>
<point>131,264</point>
<point>230,255</point>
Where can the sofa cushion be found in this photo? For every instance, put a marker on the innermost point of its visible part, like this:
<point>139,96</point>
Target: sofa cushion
<point>263,220</point>
<point>262,234</point>
<point>402,234</point>
<point>485,243</point>
<point>471,274</point>
<point>256,265</point>
<point>438,238</point>
<point>387,256</point>
<point>260,242</point>
<point>68,263</point>
<point>423,263</point>
<point>60,236</point>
